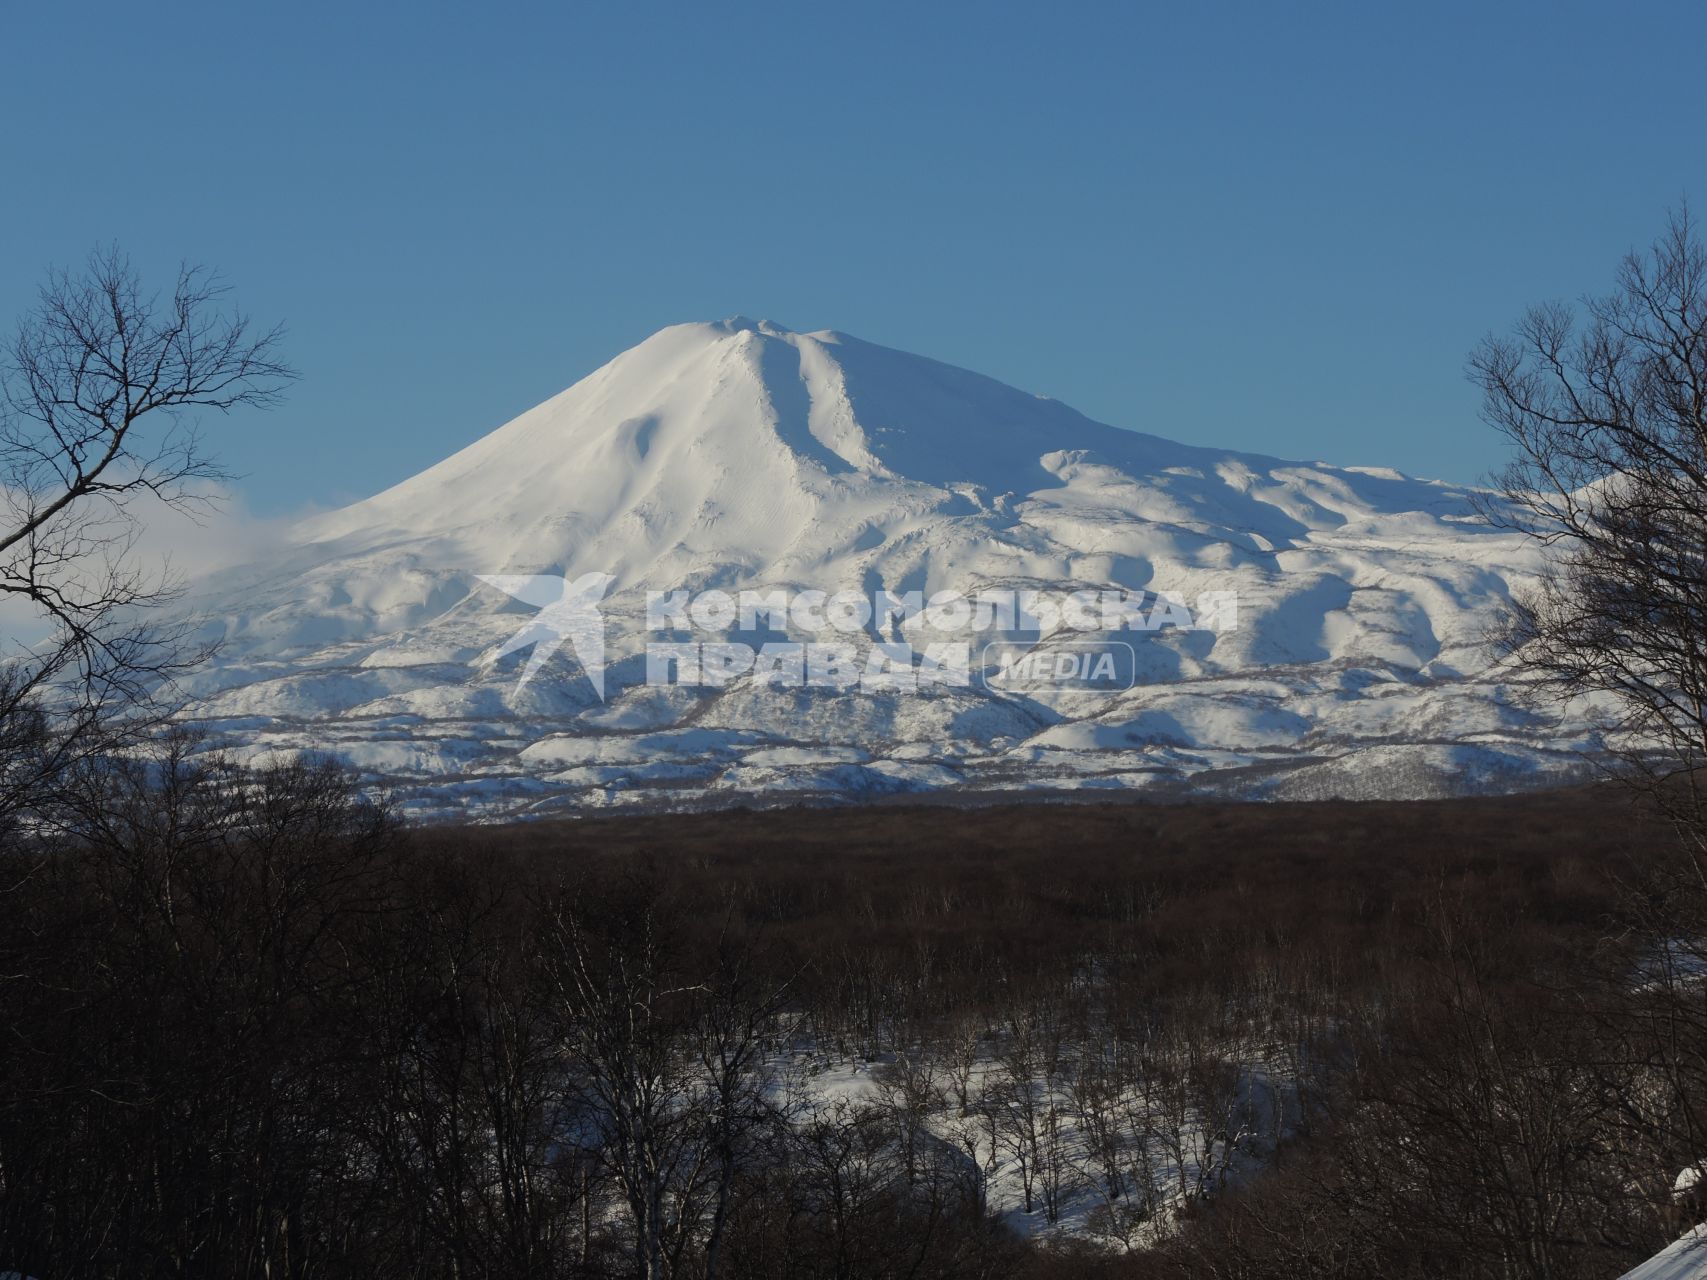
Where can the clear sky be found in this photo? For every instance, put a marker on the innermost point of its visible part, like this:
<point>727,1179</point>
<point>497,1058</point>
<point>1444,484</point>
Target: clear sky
<point>1275,227</point>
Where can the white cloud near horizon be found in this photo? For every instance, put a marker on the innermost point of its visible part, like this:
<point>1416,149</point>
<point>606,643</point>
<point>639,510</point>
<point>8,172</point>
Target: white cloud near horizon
<point>183,547</point>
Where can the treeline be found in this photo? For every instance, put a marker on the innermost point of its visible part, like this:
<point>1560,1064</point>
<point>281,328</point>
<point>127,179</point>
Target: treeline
<point>256,1026</point>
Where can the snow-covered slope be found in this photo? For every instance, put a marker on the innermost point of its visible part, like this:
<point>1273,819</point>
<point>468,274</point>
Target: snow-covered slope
<point>741,455</point>
<point>1684,1259</point>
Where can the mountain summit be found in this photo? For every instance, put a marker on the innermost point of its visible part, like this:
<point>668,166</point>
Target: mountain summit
<point>750,442</point>
<point>740,454</point>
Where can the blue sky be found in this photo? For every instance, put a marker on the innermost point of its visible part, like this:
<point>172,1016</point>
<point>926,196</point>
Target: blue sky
<point>1269,227</point>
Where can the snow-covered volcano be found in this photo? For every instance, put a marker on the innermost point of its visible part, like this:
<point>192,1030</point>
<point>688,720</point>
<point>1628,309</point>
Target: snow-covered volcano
<point>742,455</point>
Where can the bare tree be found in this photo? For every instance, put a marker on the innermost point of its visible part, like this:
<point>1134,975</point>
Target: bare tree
<point>735,1020</point>
<point>667,1072</point>
<point>98,391</point>
<point>1606,407</point>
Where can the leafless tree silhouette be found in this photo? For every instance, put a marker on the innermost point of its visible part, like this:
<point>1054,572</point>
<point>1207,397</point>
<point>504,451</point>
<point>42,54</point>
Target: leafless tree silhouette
<point>1606,407</point>
<point>99,388</point>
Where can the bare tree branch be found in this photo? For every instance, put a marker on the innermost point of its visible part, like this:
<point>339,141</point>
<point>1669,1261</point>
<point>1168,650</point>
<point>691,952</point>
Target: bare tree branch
<point>99,389</point>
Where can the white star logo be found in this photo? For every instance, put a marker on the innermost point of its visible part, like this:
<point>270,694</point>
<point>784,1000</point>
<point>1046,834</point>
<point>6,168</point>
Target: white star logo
<point>567,611</point>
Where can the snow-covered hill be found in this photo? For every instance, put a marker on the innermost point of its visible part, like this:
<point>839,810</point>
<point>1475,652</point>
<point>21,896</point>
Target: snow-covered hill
<point>739,455</point>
